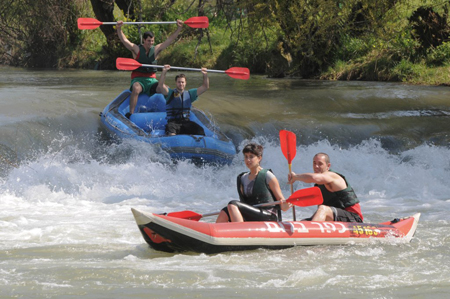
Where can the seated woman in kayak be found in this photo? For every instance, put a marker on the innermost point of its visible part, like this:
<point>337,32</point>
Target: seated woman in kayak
<point>258,186</point>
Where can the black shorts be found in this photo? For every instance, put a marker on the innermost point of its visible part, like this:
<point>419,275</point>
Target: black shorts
<point>345,216</point>
<point>341,215</point>
<point>250,213</point>
<point>185,127</point>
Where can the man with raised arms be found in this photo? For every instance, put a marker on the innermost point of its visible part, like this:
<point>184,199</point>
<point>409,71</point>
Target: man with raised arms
<point>143,79</point>
<point>179,103</point>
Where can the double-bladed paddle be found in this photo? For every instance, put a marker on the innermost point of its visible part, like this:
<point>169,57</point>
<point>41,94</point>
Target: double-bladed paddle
<point>194,22</point>
<point>288,143</point>
<point>303,198</point>
<point>128,64</point>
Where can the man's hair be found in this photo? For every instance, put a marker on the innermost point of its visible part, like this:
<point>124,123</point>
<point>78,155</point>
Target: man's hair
<point>147,34</point>
<point>180,76</point>
<point>327,158</point>
<point>253,148</point>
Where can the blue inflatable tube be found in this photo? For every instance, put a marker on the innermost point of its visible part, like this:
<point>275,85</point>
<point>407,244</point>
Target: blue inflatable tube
<point>148,125</point>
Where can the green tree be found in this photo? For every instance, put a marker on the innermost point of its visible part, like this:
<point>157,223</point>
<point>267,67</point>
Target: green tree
<point>430,28</point>
<point>307,31</point>
<point>37,34</point>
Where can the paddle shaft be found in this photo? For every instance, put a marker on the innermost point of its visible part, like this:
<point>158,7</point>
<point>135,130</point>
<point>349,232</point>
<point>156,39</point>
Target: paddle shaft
<point>256,206</point>
<point>293,201</point>
<point>182,68</point>
<point>302,198</point>
<point>194,22</point>
<point>289,148</point>
<point>292,191</point>
<point>133,23</point>
<point>129,64</point>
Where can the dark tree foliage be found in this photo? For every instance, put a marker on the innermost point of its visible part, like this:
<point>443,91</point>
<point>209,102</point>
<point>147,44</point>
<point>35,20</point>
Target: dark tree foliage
<point>104,11</point>
<point>366,15</point>
<point>38,35</point>
<point>310,31</point>
<point>430,28</point>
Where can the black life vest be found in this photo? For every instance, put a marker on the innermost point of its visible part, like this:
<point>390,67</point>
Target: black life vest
<point>178,106</point>
<point>146,59</point>
<point>340,199</point>
<point>260,193</point>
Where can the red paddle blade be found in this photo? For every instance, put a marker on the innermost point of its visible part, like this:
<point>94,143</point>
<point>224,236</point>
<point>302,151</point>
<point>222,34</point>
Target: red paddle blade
<point>288,142</point>
<point>190,215</point>
<point>306,197</point>
<point>238,73</point>
<point>127,64</point>
<point>88,23</point>
<point>197,22</point>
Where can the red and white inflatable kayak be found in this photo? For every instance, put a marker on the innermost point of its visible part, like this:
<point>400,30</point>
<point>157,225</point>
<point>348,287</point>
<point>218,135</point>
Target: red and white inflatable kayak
<point>173,234</point>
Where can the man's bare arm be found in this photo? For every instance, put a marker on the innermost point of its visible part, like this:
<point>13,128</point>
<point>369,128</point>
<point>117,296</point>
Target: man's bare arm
<point>129,45</point>
<point>170,39</point>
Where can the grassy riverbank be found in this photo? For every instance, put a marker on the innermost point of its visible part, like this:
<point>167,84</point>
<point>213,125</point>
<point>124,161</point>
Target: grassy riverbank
<point>396,41</point>
<point>218,50</point>
<point>403,41</point>
<point>410,43</point>
<point>382,68</point>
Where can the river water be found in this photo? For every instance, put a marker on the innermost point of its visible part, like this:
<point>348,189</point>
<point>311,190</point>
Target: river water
<point>66,229</point>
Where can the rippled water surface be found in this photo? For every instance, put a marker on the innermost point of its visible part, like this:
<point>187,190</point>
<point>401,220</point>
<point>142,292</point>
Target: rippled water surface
<point>66,230</point>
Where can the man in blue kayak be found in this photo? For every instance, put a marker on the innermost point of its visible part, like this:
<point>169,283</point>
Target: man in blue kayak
<point>340,202</point>
<point>143,80</point>
<point>179,102</point>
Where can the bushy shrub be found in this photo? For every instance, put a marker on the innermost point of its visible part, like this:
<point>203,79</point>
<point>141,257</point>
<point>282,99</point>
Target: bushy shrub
<point>404,70</point>
<point>352,47</point>
<point>439,56</point>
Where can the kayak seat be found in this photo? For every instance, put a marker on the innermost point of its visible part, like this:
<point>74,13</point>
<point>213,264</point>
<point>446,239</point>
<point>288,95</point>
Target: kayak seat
<point>150,121</point>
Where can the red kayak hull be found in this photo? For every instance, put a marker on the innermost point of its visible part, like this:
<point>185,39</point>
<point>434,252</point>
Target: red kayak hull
<point>173,234</point>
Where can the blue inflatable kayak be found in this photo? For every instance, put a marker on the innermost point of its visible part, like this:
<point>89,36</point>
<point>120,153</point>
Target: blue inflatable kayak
<point>148,125</point>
